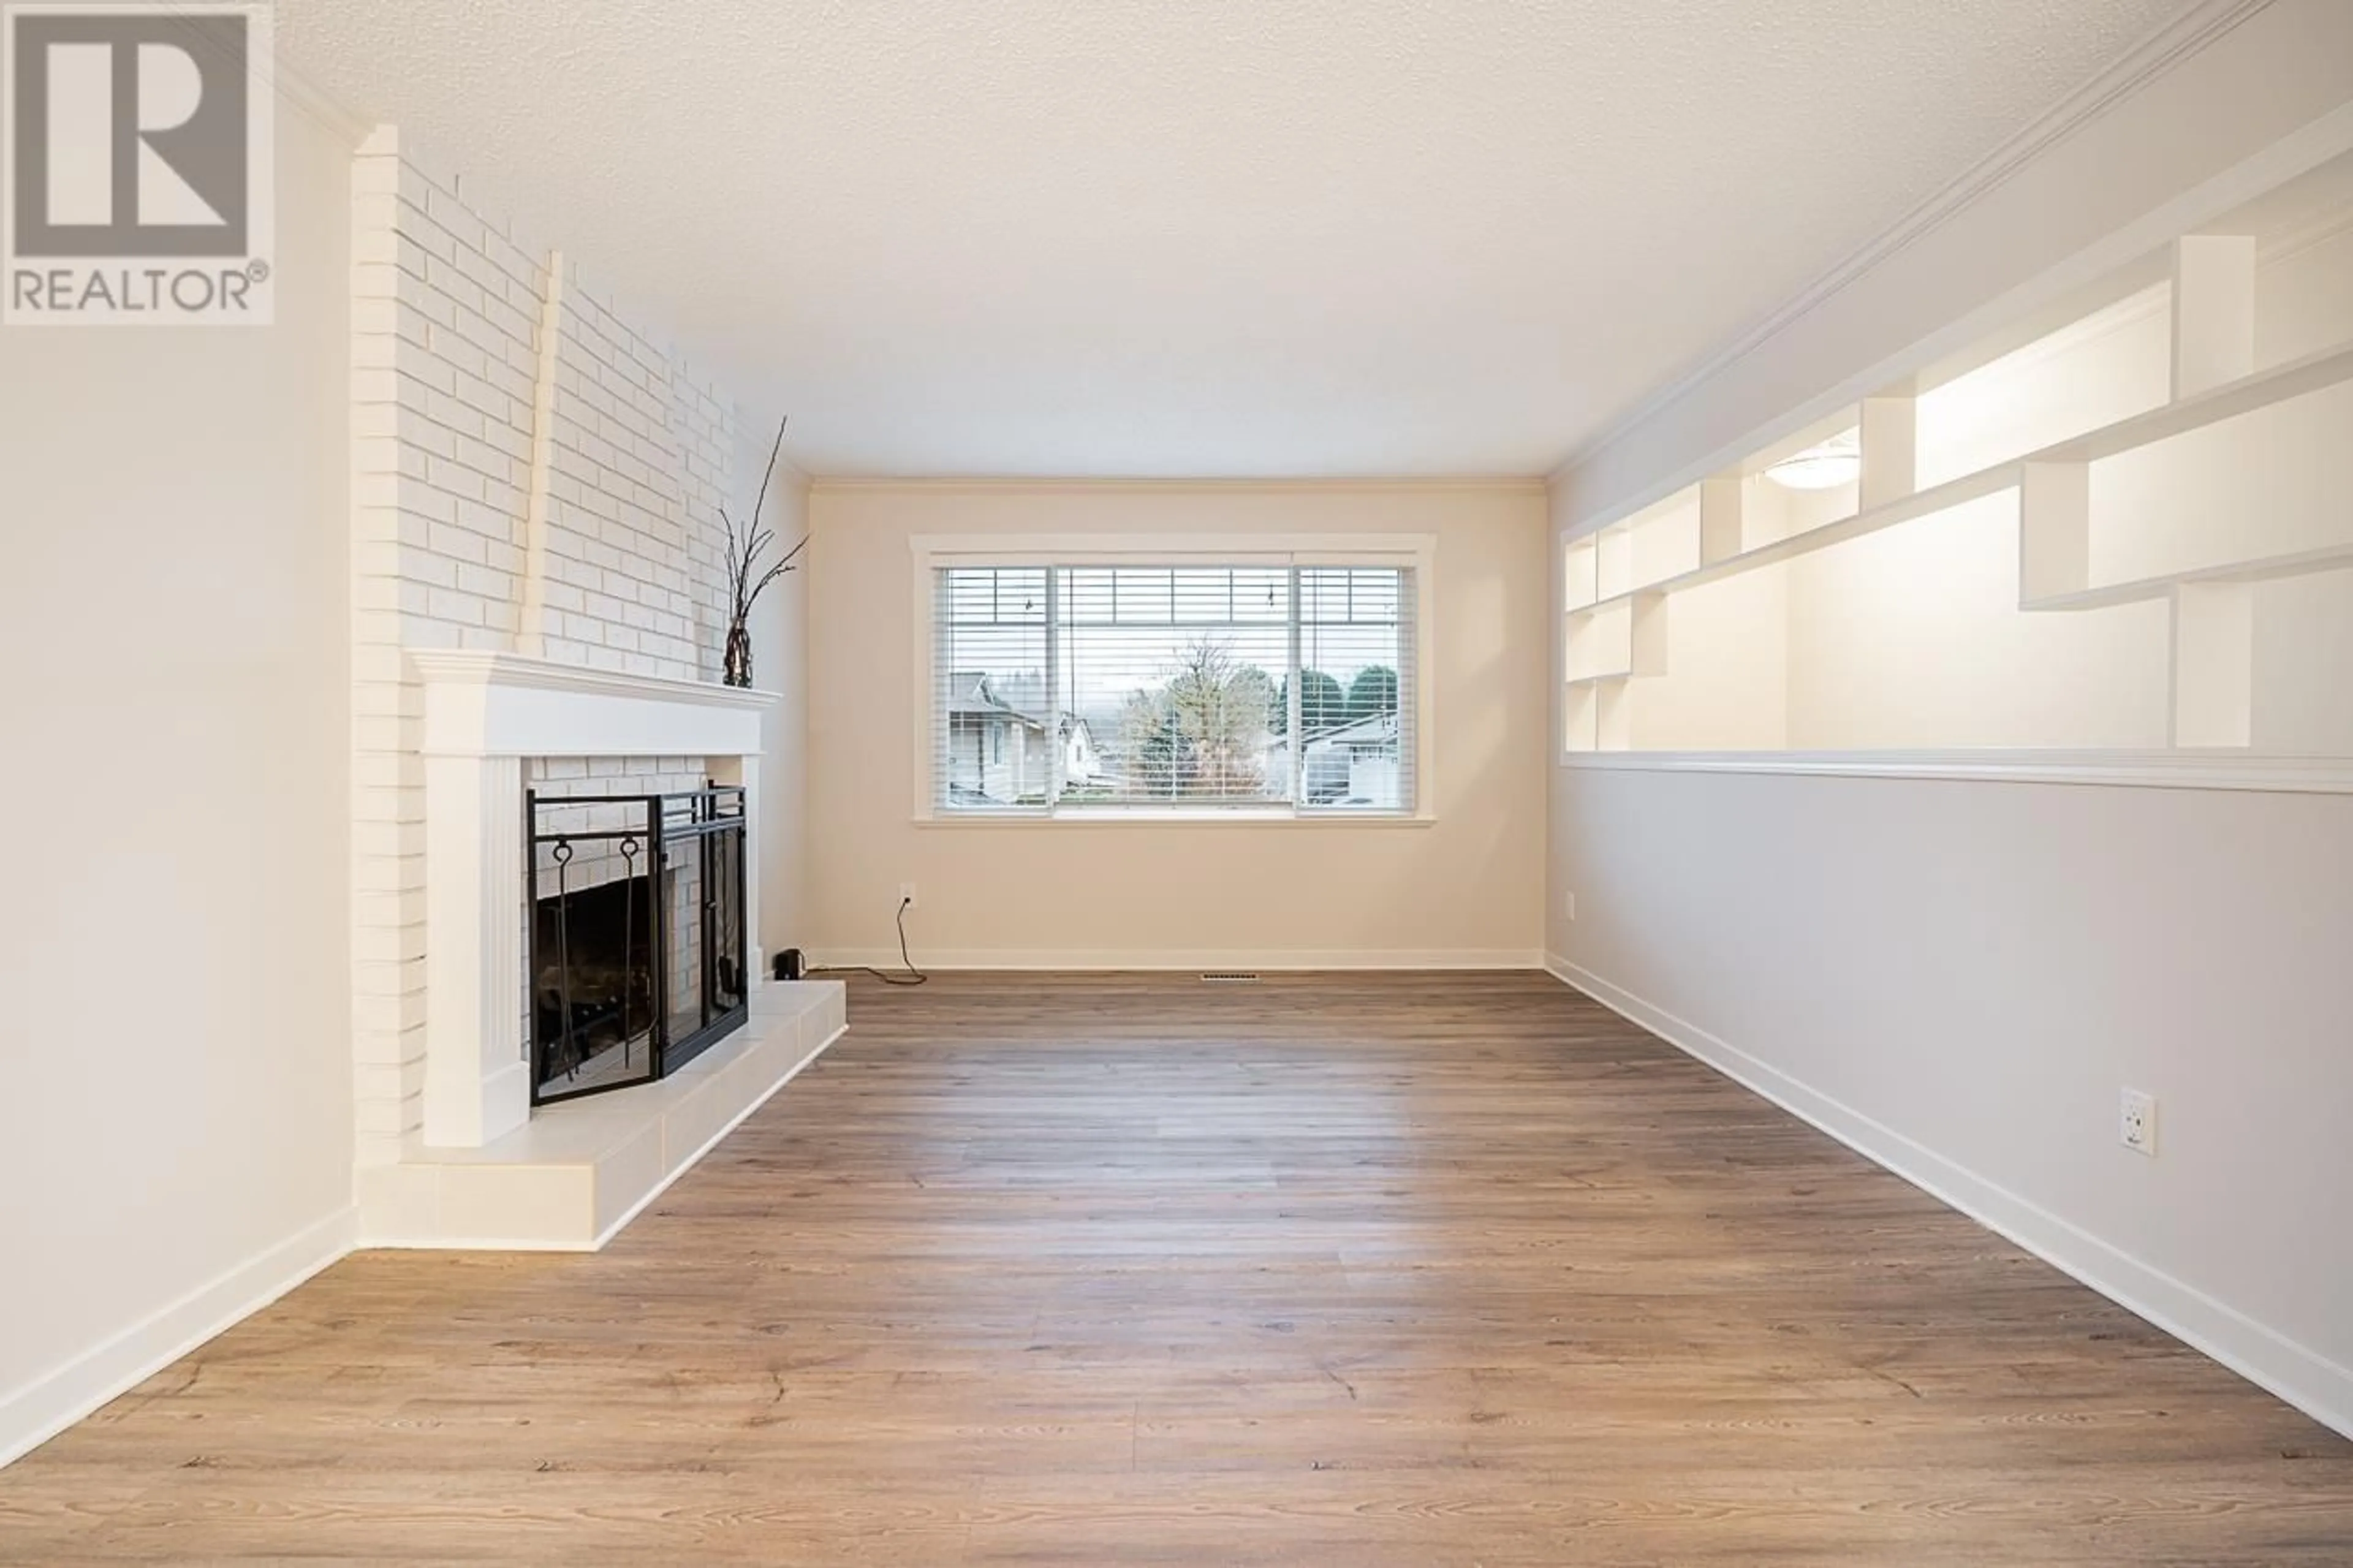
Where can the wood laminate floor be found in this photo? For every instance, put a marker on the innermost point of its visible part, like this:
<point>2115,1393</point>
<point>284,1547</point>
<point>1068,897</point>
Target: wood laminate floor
<point>1350,1270</point>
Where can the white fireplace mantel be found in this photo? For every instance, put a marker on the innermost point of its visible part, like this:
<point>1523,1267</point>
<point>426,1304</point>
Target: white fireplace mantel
<point>504,705</point>
<point>484,713</point>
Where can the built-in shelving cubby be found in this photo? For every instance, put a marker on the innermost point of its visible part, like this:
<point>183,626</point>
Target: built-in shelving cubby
<point>2121,521</point>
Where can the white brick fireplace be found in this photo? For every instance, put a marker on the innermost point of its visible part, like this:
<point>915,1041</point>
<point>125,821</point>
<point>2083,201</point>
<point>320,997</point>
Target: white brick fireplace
<point>539,600</point>
<point>486,714</point>
<point>485,1169</point>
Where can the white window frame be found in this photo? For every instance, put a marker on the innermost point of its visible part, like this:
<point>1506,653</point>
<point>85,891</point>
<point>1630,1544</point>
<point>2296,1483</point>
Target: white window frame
<point>1416,553</point>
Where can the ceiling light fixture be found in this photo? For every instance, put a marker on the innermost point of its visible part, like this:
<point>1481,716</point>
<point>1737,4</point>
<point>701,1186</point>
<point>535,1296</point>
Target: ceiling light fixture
<point>1837,461</point>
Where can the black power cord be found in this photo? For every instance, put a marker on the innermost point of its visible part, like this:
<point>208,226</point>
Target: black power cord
<point>914,976</point>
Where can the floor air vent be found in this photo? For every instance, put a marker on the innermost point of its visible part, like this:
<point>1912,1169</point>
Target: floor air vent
<point>1229,977</point>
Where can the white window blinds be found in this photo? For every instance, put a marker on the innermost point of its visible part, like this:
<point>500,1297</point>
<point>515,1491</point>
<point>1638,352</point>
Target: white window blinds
<point>1141,688</point>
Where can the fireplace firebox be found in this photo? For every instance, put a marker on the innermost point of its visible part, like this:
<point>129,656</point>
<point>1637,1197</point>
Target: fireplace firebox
<point>636,935</point>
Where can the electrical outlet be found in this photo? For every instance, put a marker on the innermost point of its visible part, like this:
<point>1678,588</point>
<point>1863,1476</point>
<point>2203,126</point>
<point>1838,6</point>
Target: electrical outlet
<point>907,895</point>
<point>2136,1122</point>
<point>1568,906</point>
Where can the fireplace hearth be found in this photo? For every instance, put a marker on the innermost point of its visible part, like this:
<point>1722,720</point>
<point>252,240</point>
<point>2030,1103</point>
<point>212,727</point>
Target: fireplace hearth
<point>636,942</point>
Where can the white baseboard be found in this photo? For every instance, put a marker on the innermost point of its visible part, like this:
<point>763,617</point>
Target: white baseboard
<point>2304,1378</point>
<point>1160,958</point>
<point>31,1416</point>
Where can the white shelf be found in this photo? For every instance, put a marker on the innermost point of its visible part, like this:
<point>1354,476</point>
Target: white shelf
<point>1630,640</point>
<point>2302,563</point>
<point>2150,769</point>
<point>2125,410</point>
<point>2296,378</point>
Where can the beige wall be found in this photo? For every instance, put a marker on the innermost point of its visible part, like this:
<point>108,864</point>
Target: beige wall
<point>780,663</point>
<point>1467,889</point>
<point>175,1128</point>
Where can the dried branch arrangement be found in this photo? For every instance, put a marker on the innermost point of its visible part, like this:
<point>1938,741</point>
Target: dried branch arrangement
<point>747,577</point>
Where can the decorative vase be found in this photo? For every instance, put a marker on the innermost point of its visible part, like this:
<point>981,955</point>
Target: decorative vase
<point>739,656</point>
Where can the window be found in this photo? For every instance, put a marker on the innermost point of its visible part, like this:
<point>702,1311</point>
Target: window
<point>1108,686</point>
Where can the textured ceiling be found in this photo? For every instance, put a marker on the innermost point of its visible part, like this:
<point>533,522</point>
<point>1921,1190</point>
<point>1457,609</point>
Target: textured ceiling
<point>1204,237</point>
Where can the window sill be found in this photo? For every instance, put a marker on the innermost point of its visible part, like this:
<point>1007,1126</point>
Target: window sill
<point>1173,818</point>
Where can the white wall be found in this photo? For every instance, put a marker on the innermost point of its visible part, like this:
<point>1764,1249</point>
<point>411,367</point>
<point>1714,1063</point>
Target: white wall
<point>175,1134</point>
<point>1960,977</point>
<point>1966,975</point>
<point>1464,889</point>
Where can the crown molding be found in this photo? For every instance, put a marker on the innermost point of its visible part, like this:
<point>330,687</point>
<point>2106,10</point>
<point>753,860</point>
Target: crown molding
<point>1520,484</point>
<point>2184,36</point>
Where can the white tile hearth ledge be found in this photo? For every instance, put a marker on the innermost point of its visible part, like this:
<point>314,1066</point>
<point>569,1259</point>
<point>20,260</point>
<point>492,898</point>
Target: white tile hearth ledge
<point>569,1178</point>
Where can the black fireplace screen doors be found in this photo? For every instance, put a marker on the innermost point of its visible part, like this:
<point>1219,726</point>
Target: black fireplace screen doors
<point>635,935</point>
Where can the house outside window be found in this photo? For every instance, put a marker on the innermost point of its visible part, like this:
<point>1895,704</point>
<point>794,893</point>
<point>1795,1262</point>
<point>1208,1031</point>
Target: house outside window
<point>1109,684</point>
